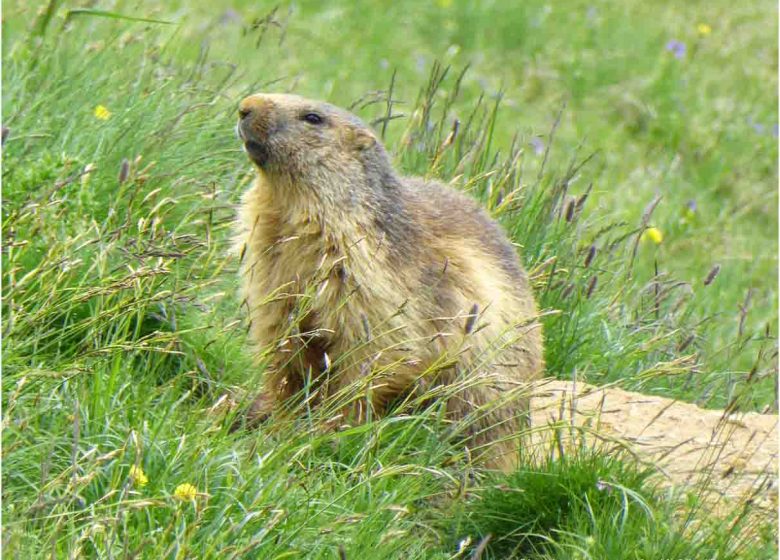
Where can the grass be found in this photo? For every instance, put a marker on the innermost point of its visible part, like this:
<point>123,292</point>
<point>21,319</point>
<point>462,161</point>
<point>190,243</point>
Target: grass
<point>122,328</point>
<point>589,506</point>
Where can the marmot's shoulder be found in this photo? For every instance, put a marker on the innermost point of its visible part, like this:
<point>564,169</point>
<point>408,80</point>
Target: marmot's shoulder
<point>457,218</point>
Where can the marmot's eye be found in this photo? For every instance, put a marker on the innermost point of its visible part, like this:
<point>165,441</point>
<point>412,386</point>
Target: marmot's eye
<point>312,118</point>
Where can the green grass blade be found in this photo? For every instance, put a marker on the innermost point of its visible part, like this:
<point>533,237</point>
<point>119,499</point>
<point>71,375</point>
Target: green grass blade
<point>113,15</point>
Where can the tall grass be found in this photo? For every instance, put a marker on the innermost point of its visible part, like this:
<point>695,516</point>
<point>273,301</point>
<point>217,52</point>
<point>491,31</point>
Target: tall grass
<point>123,336</point>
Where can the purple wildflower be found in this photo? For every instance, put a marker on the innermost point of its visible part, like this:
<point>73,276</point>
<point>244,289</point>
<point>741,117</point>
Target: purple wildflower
<point>229,16</point>
<point>677,48</point>
<point>774,130</point>
<point>691,205</point>
<point>538,145</point>
<point>420,62</point>
<point>756,126</point>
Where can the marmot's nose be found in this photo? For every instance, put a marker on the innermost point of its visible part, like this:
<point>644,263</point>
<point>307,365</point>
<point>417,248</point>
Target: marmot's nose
<point>252,105</point>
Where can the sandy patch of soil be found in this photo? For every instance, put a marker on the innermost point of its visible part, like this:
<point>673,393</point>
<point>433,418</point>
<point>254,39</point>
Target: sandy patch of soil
<point>736,453</point>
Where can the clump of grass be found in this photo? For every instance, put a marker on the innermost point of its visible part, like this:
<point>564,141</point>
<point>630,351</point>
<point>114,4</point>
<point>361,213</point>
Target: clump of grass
<point>578,497</point>
<point>588,505</point>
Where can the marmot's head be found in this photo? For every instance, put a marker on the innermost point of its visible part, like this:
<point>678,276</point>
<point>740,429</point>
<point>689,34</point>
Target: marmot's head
<point>307,141</point>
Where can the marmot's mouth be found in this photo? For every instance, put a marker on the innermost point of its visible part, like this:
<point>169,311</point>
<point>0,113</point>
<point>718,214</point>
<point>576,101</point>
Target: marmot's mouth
<point>257,152</point>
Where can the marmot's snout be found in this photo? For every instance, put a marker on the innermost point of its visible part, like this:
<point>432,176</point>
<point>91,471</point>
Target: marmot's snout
<point>255,125</point>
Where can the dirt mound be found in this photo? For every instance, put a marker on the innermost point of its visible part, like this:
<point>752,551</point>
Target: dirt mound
<point>735,454</point>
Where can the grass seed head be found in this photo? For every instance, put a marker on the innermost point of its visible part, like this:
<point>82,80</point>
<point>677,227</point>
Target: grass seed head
<point>590,256</point>
<point>712,275</point>
<point>124,170</point>
<point>591,286</point>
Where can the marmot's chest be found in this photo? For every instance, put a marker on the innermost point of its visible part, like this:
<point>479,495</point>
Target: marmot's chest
<point>339,275</point>
<point>308,260</point>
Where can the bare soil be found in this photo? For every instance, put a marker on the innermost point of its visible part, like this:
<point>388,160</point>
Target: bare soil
<point>731,455</point>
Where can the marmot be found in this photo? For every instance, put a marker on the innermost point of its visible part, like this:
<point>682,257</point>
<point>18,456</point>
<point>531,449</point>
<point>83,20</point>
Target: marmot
<point>360,280</point>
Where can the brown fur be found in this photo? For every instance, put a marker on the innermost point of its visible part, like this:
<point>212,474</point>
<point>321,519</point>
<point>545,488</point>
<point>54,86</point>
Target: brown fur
<point>369,277</point>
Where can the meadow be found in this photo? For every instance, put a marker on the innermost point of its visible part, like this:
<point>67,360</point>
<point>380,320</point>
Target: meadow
<point>630,150</point>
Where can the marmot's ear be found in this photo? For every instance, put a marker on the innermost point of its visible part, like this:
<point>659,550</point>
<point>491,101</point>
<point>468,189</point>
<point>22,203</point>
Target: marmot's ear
<point>363,139</point>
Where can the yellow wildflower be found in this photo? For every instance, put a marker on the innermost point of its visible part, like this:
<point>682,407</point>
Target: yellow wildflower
<point>653,234</point>
<point>138,475</point>
<point>444,3</point>
<point>704,29</point>
<point>102,113</point>
<point>185,492</point>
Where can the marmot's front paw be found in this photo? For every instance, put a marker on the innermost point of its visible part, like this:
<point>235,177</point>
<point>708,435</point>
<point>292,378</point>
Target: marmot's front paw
<point>224,406</point>
<point>257,413</point>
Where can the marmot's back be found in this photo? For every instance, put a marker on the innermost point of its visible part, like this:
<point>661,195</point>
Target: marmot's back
<point>484,270</point>
<point>457,217</point>
<point>379,273</point>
